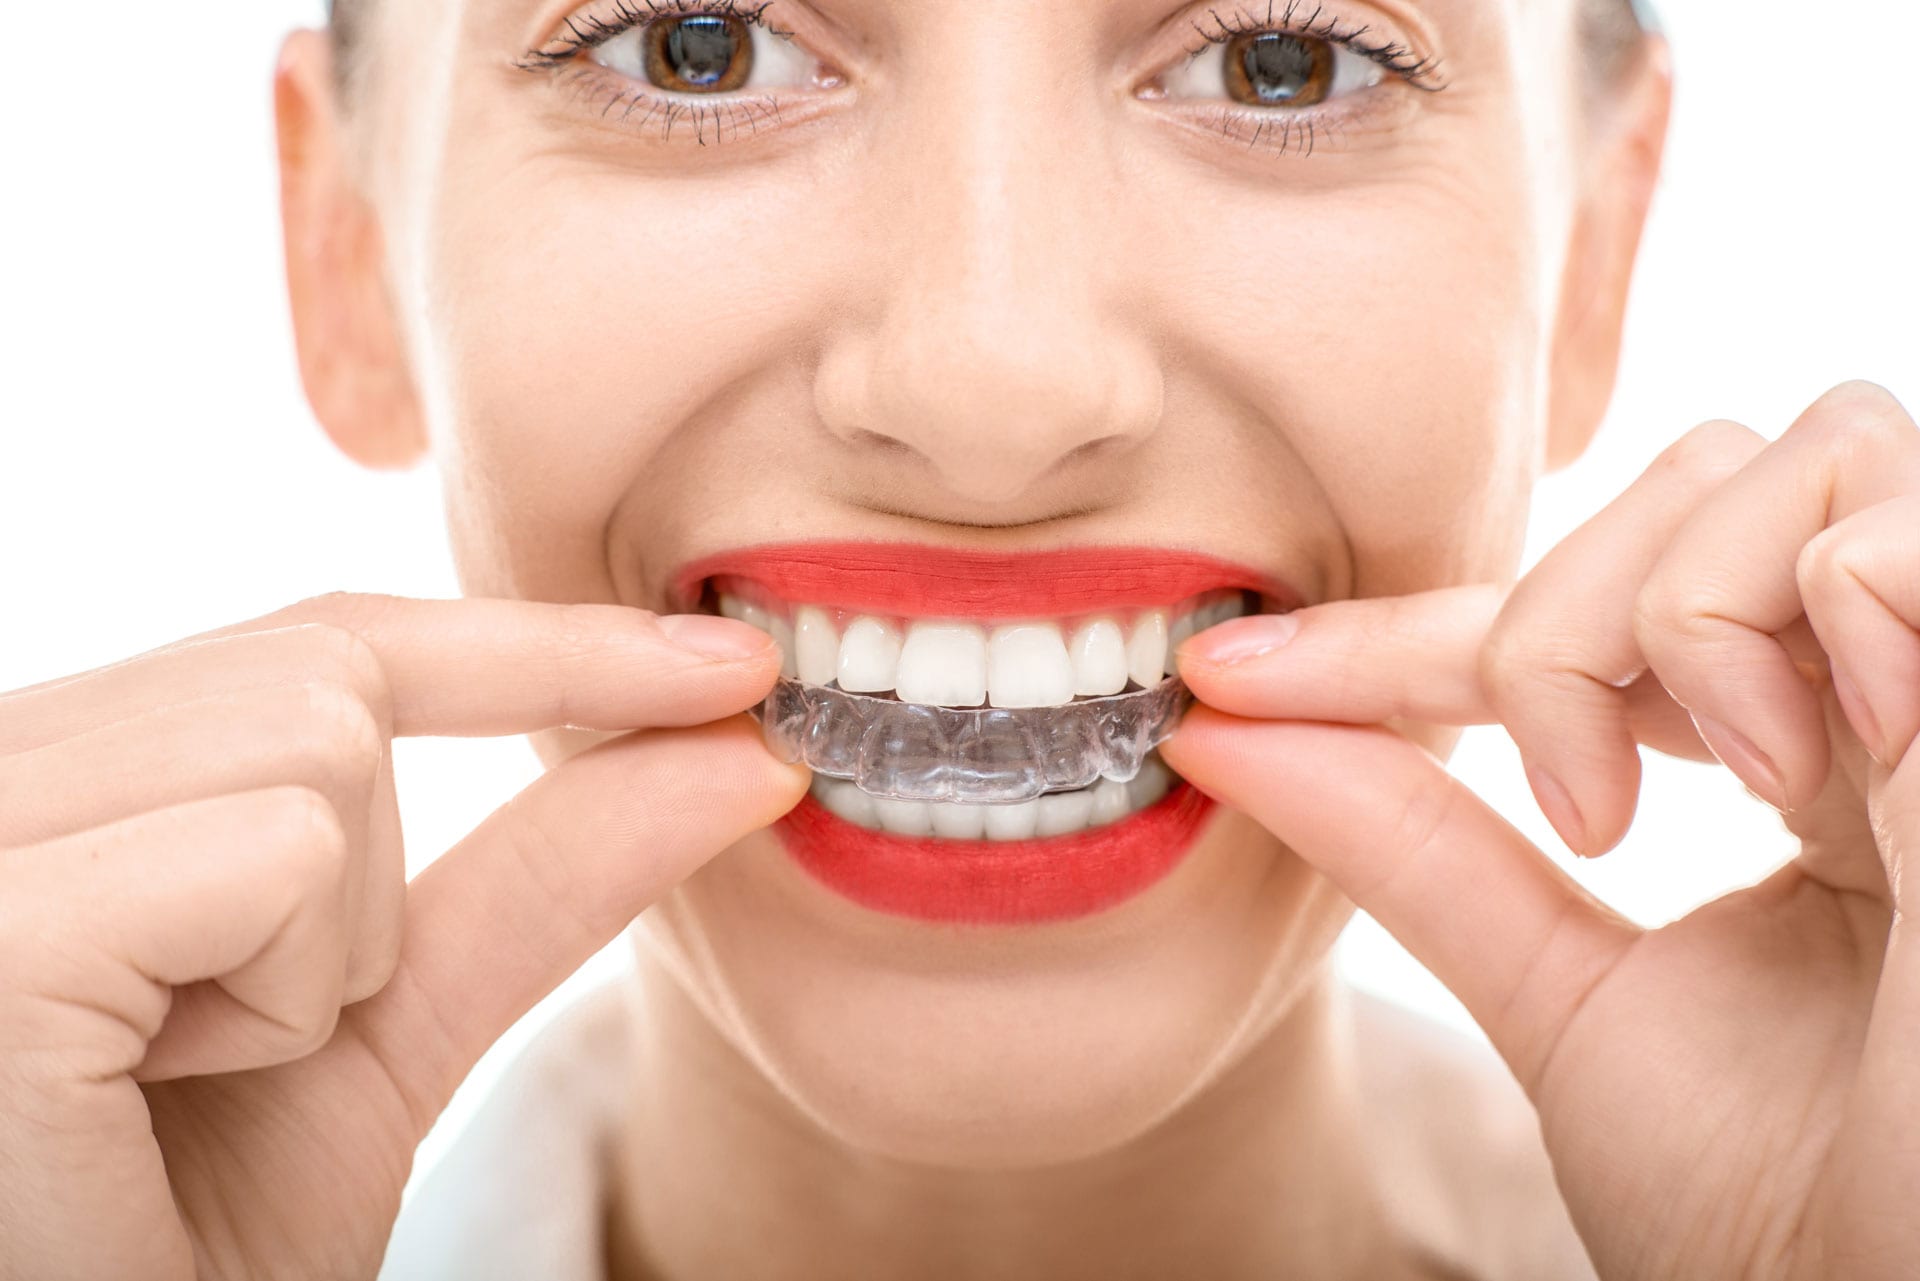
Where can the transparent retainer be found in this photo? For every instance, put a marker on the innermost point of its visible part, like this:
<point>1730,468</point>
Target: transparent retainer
<point>975,755</point>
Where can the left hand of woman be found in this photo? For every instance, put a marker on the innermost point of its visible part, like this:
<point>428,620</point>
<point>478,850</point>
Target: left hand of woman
<point>1735,1094</point>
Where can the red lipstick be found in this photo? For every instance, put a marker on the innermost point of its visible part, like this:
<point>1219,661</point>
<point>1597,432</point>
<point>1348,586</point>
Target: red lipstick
<point>996,882</point>
<point>928,581</point>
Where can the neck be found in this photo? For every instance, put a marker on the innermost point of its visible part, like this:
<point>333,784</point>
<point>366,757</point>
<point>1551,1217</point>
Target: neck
<point>1261,1174</point>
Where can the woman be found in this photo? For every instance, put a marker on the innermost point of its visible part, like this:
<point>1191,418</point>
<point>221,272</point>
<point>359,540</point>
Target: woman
<point>956,338</point>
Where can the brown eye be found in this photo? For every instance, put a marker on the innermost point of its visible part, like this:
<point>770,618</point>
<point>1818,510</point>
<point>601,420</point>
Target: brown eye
<point>1271,67</point>
<point>704,54</point>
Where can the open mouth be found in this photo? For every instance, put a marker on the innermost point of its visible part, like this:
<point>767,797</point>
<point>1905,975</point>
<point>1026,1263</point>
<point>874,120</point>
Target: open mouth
<point>980,727</point>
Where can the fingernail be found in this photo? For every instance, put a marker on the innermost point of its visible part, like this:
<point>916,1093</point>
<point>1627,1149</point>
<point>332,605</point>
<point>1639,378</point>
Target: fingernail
<point>1864,722</point>
<point>1738,754</point>
<point>1558,806</point>
<point>1243,638</point>
<point>712,637</point>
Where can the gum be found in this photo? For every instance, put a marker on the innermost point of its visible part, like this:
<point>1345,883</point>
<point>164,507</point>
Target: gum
<point>975,755</point>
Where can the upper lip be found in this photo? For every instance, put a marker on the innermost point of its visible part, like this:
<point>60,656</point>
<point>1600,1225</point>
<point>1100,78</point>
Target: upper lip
<point>929,580</point>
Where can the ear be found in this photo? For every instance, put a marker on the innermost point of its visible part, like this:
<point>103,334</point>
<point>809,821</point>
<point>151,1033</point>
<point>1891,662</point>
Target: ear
<point>1611,214</point>
<point>352,362</point>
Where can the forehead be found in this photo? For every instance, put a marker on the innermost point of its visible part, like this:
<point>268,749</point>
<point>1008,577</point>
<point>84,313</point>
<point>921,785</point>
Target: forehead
<point>540,14</point>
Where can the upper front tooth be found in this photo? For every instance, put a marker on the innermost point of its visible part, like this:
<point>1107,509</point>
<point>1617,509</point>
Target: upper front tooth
<point>1099,654</point>
<point>783,634</point>
<point>816,645</point>
<point>746,612</point>
<point>1186,622</point>
<point>1147,649</point>
<point>869,656</point>
<point>943,664</point>
<point>775,626</point>
<point>1027,666</point>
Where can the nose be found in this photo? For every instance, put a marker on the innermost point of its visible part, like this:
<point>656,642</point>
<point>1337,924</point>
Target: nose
<point>994,353</point>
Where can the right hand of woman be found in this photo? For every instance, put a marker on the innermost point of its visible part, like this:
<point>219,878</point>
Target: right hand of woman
<point>226,1020</point>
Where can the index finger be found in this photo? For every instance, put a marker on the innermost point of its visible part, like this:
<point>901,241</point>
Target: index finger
<point>471,667</point>
<point>1362,661</point>
<point>485,667</point>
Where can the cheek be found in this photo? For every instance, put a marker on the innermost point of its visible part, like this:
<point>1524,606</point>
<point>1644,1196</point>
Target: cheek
<point>1385,340</point>
<point>589,327</point>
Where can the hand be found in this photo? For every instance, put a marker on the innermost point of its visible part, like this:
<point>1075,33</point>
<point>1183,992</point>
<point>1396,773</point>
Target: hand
<point>226,1021</point>
<point>1736,1094</point>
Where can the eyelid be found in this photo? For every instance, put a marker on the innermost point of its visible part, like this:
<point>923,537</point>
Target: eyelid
<point>1200,25</point>
<point>789,20</point>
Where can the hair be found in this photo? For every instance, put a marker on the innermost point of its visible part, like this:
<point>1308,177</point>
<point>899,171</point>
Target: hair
<point>1610,32</point>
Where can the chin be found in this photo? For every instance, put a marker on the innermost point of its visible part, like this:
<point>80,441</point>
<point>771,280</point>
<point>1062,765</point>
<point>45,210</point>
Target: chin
<point>993,1047</point>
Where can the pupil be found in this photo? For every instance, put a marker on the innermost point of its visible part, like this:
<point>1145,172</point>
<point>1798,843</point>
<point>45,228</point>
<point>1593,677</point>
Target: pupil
<point>700,50</point>
<point>1280,68</point>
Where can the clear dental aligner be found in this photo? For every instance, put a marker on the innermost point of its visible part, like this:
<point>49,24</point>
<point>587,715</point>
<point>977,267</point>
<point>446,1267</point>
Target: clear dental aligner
<point>974,755</point>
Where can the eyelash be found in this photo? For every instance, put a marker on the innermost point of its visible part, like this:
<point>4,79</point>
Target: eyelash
<point>1299,127</point>
<point>585,34</point>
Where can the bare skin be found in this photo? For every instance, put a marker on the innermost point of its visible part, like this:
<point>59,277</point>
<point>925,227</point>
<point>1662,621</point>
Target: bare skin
<point>227,1019</point>
<point>909,305</point>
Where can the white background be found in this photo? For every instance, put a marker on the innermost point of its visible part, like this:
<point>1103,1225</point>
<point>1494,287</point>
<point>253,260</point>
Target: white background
<point>160,473</point>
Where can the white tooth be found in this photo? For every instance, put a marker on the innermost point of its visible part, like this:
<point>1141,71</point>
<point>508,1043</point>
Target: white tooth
<point>1064,812</point>
<point>1099,654</point>
<point>820,786</point>
<point>850,803</point>
<point>1150,785</point>
<point>1232,606</point>
<point>816,645</point>
<point>869,656</point>
<point>906,818</point>
<point>943,664</point>
<point>1147,649</point>
<point>1012,822</point>
<point>783,633</point>
<point>1110,803</point>
<point>1185,622</point>
<point>1027,666</point>
<point>746,612</point>
<point>959,822</point>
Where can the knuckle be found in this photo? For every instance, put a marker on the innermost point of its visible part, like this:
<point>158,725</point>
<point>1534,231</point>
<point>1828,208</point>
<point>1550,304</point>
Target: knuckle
<point>300,828</point>
<point>341,608</point>
<point>335,651</point>
<point>1858,418</point>
<point>1660,616</point>
<point>1821,560</point>
<point>339,726</point>
<point>1713,450</point>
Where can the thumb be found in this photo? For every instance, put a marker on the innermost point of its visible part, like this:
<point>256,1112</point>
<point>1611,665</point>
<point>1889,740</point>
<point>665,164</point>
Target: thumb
<point>1516,939</point>
<point>552,877</point>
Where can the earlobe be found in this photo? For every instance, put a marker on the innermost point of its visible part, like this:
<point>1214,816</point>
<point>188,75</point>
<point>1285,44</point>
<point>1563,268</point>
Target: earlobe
<point>1604,245</point>
<point>352,361</point>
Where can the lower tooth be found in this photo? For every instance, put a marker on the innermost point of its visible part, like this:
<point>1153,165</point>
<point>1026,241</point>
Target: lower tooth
<point>849,802</point>
<point>959,822</point>
<point>1064,812</point>
<point>903,818</point>
<point>1055,814</point>
<point>1109,802</point>
<point>1016,822</point>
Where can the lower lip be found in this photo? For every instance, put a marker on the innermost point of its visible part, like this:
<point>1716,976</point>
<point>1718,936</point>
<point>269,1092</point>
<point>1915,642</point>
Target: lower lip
<point>996,882</point>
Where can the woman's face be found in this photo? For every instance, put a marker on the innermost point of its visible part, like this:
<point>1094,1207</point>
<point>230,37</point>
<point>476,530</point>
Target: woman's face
<point>1003,276</point>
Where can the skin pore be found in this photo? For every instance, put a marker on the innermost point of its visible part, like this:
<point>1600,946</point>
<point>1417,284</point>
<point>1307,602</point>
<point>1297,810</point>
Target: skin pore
<point>980,294</point>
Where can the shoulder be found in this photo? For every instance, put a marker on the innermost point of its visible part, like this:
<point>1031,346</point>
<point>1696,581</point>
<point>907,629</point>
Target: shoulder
<point>1459,1148</point>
